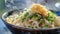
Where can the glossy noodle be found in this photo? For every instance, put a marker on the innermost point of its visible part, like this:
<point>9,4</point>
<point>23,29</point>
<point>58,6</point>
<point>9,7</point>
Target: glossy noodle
<point>36,17</point>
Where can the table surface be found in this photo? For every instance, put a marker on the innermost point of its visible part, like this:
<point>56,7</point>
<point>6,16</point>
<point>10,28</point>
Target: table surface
<point>3,28</point>
<point>50,5</point>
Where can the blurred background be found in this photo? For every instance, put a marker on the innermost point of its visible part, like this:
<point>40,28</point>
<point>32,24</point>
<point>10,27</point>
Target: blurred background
<point>21,4</point>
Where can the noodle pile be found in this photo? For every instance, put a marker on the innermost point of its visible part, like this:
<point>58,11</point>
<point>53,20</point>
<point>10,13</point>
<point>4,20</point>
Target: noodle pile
<point>36,17</point>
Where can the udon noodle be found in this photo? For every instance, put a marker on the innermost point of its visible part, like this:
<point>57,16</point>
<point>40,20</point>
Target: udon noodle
<point>36,17</point>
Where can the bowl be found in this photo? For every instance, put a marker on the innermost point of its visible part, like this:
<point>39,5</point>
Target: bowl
<point>21,30</point>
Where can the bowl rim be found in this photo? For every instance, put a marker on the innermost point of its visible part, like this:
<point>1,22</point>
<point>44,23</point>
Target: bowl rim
<point>23,28</point>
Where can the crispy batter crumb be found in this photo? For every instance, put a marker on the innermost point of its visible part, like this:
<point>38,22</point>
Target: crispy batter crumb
<point>39,8</point>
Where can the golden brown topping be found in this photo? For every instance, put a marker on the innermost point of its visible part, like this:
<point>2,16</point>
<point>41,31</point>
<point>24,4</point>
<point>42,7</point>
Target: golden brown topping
<point>39,8</point>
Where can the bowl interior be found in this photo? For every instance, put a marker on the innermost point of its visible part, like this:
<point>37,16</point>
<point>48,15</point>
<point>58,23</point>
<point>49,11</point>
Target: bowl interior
<point>6,14</point>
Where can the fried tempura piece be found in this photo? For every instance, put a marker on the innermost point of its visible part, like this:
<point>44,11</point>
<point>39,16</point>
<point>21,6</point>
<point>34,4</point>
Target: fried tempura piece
<point>40,9</point>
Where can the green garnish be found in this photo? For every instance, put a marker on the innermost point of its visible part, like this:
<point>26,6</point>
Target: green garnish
<point>39,17</point>
<point>46,25</point>
<point>26,14</point>
<point>29,26</point>
<point>32,27</point>
<point>51,16</point>
<point>29,16</point>
<point>42,20</point>
<point>42,27</point>
<point>35,14</point>
<point>23,19</point>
